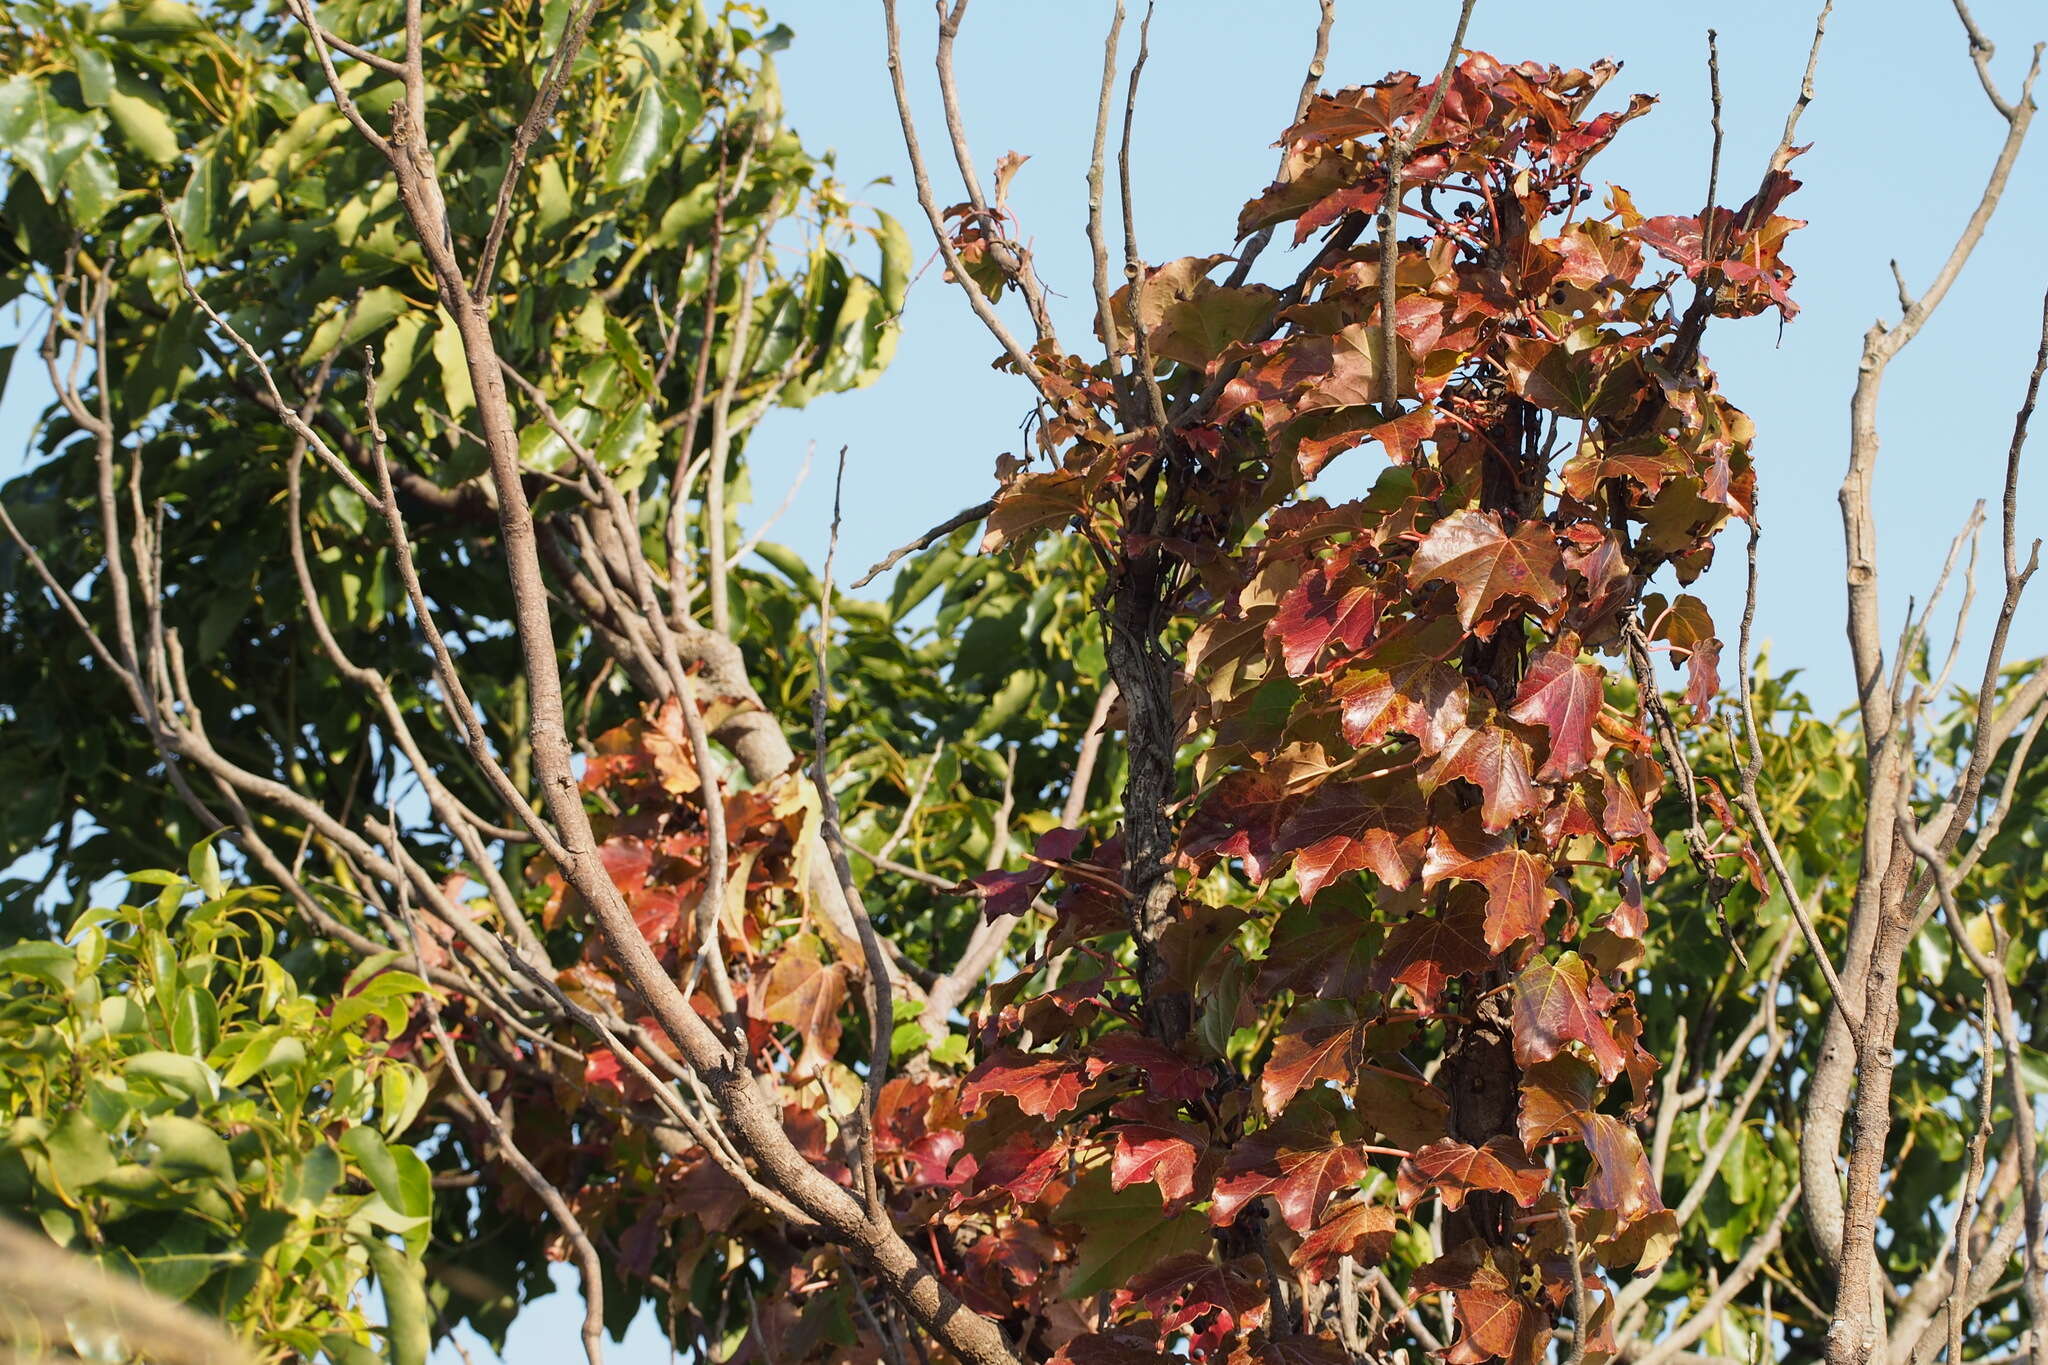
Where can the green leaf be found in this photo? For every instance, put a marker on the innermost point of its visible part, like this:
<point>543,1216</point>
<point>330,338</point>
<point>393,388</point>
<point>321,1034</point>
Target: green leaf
<point>195,1023</point>
<point>1123,1232</point>
<point>403,1284</point>
<point>79,1152</point>
<point>897,261</point>
<point>351,324</point>
<point>315,1179</point>
<point>368,1151</point>
<point>40,134</point>
<point>187,1147</point>
<point>144,124</point>
<point>95,73</point>
<point>176,1071</point>
<point>51,963</point>
<point>197,210</point>
<point>649,132</point>
<point>620,342</point>
<point>457,395</point>
<point>202,865</point>
<point>151,19</point>
<point>120,1015</point>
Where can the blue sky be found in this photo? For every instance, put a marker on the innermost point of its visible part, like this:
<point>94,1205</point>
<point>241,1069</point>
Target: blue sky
<point>1902,139</point>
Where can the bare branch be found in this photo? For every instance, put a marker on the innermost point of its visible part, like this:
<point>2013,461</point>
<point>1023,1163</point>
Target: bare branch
<point>1397,152</point>
<point>1098,245</point>
<point>965,517</point>
<point>581,1248</point>
<point>1134,265</point>
<point>1249,254</point>
<point>1012,258</point>
<point>926,200</point>
<point>1669,1350</point>
<point>880,1011</point>
<point>537,116</point>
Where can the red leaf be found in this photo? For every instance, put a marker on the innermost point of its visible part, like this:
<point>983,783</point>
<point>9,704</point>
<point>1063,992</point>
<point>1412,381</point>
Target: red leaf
<point>1564,696</point>
<point>1557,1003</point>
<point>1518,886</point>
<point>1023,1165</point>
<point>1159,1155</point>
<point>1703,676</point>
<point>1011,893</point>
<point>1298,1163</point>
<point>1378,826</point>
<point>1455,1169</point>
<point>1496,761</point>
<point>1167,1074</point>
<point>1470,550</point>
<point>1399,1104</point>
<point>1309,1057</point>
<point>1044,1087</point>
<point>1137,1344</point>
<point>603,1067</point>
<point>1358,1229</point>
<point>806,994</point>
<point>1518,897</point>
<point>1425,951</point>
<point>1558,1097</point>
<point>1422,698</point>
<point>1031,504</point>
<point>1333,603</point>
<point>1621,1172</point>
<point>1186,1287</point>
<point>1493,1318</point>
<point>1297,1348</point>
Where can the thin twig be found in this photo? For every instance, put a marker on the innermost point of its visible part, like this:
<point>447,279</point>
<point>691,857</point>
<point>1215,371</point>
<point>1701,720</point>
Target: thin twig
<point>1398,150</point>
<point>537,116</point>
<point>965,517</point>
<point>921,177</point>
<point>880,1010</point>
<point>1098,245</point>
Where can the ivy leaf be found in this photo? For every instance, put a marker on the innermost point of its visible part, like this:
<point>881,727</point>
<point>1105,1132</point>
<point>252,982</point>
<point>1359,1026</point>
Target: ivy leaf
<point>1400,1105</point>
<point>1496,761</point>
<point>1011,893</point>
<point>1023,1165</point>
<point>1494,1320</point>
<point>1558,1097</point>
<point>1165,1157</point>
<point>1357,1228</point>
<point>1455,1169</point>
<point>1298,1161</point>
<point>1306,1058</point>
<point>1558,1003</point>
<point>1380,825</point>
<point>1425,951</point>
<point>1564,696</point>
<point>1043,1087</point>
<point>1621,1180</point>
<point>1032,504</point>
<point>1518,883</point>
<point>1327,606</point>
<point>1137,1344</point>
<point>1166,1074</point>
<point>1188,1287</point>
<point>1122,1233</point>
<point>1472,552</point>
<point>1425,699</point>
